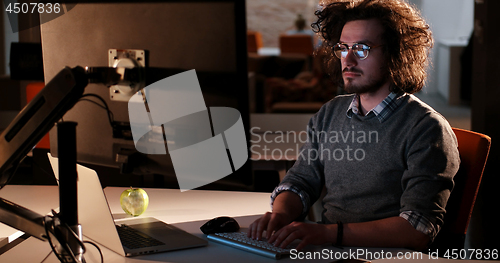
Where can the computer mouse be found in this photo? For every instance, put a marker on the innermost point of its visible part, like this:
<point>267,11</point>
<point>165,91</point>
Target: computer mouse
<point>220,225</point>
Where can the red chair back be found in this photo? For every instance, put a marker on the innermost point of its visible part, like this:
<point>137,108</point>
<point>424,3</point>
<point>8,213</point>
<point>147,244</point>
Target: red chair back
<point>254,41</point>
<point>473,148</point>
<point>296,44</point>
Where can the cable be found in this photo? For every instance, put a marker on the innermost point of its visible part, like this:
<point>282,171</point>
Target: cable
<point>104,106</point>
<point>48,225</point>
<point>98,249</point>
<point>51,225</point>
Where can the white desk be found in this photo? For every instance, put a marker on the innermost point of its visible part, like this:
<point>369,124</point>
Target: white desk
<point>187,210</point>
<point>168,205</point>
<point>33,198</point>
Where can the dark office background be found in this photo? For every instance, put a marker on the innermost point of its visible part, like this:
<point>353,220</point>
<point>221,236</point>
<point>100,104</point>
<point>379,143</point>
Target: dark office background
<point>484,230</point>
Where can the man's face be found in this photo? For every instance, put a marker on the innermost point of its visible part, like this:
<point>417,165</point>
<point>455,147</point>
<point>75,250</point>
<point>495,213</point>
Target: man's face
<point>370,74</point>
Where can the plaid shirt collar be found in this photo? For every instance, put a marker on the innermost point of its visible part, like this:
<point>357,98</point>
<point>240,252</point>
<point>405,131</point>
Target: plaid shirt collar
<point>383,110</point>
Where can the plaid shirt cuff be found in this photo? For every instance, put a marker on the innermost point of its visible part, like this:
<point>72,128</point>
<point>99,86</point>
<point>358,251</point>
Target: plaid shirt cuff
<point>289,187</point>
<point>421,223</point>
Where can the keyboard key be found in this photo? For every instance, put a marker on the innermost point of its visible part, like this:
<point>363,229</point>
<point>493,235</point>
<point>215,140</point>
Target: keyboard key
<point>241,241</point>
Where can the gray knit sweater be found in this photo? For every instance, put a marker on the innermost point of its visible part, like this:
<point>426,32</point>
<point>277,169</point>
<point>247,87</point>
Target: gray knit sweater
<point>376,169</point>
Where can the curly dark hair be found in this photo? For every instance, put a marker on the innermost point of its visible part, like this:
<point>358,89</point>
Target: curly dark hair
<point>408,38</point>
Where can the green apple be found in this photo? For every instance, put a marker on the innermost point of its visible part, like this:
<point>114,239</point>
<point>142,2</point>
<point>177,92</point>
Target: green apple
<point>134,201</point>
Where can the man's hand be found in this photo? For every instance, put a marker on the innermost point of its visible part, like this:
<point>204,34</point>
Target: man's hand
<point>286,207</point>
<point>285,232</point>
<point>269,222</point>
<point>308,233</point>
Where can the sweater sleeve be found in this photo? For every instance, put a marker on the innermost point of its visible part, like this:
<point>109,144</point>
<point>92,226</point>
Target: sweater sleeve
<point>305,177</point>
<point>432,160</point>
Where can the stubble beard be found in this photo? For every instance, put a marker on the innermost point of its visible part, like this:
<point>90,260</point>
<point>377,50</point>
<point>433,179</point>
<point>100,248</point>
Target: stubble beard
<point>371,86</point>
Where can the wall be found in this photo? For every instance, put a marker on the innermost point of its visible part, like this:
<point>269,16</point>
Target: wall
<point>449,20</point>
<point>272,18</point>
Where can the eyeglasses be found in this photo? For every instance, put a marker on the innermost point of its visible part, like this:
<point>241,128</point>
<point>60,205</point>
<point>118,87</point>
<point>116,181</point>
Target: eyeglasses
<point>360,50</point>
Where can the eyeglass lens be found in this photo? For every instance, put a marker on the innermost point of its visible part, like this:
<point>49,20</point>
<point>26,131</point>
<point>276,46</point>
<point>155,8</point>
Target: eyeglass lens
<point>360,50</point>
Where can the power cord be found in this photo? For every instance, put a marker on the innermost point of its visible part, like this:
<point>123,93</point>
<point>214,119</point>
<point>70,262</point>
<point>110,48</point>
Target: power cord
<point>104,106</point>
<point>53,225</point>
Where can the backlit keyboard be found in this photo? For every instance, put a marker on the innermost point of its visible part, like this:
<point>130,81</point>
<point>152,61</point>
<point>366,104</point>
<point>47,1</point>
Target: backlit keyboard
<point>241,241</point>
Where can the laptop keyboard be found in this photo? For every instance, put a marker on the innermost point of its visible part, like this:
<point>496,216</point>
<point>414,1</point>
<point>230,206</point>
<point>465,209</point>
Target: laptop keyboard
<point>133,239</point>
<point>241,241</point>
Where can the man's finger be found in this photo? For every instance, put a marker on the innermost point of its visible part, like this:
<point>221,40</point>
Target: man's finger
<point>271,227</point>
<point>262,225</point>
<point>252,228</point>
<point>290,238</point>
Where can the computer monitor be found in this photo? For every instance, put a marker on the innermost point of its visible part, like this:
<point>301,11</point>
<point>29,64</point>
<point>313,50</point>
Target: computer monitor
<point>176,35</point>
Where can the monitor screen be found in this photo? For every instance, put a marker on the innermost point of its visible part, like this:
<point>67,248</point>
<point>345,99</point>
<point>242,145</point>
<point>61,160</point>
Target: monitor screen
<point>176,36</point>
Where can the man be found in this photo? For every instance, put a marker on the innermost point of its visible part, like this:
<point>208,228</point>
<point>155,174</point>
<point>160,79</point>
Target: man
<point>386,159</point>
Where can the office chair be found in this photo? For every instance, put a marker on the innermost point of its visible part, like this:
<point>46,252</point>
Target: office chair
<point>254,41</point>
<point>296,44</point>
<point>473,148</point>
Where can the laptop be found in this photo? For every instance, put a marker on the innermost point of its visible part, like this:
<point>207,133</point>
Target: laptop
<point>97,222</point>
